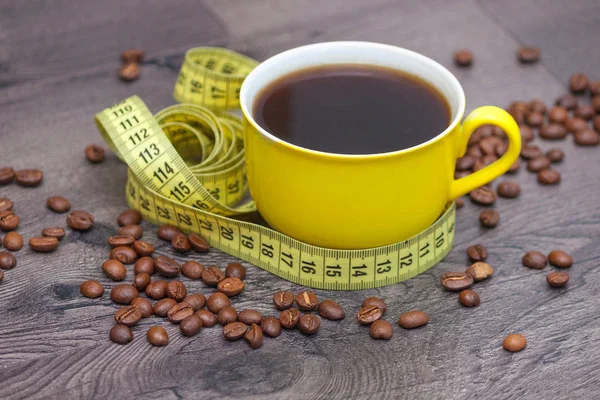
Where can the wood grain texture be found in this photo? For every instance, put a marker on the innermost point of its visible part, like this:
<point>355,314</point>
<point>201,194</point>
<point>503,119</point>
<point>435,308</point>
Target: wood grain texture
<point>58,63</point>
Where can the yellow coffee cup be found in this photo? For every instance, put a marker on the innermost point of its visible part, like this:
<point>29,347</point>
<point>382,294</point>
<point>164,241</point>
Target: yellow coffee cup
<point>346,201</point>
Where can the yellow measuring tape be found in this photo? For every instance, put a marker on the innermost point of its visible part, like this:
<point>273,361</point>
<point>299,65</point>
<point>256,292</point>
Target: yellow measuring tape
<point>187,168</point>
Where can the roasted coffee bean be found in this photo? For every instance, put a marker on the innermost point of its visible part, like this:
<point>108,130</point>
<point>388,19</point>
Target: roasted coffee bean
<point>567,101</point>
<point>489,218</point>
<point>7,260</point>
<point>526,133</point>
<point>331,310</point>
<point>283,300</point>
<point>144,265</point>
<point>475,152</point>
<point>227,315</point>
<point>501,149</point>
<point>197,301</point>
<point>488,145</point>
<point>9,221</point>
<point>120,334</point>
<point>509,189</point>
<point>548,177</point>
<point>553,132</point>
<point>463,58</point>
<point>456,281</point>
<point>212,276</point>
<point>234,330</point>
<point>128,316</point>
<point>584,111</point>
<point>594,88</point>
<point>142,248</point>
<point>141,281</point>
<point>116,241</point>
<point>459,203</point>
<point>529,151</point>
<point>557,279</point>
<point>515,167</point>
<point>217,301</point>
<point>29,177</point>
<point>129,217</point>
<point>578,83</point>
<point>587,137</point>
<point>208,318</point>
<point>129,72</point>
<point>469,298</point>
<point>537,105</point>
<point>375,301</point>
<point>528,55</point>
<point>534,260</point>
<point>80,220</point>
<point>555,155</point>
<point>181,244</point>
<point>7,175</point>
<point>413,319</point>
<point>534,119</point>
<point>132,55</point>
<point>91,289</point>
<point>514,342</point>
<point>54,231</point>
<point>484,162</point>
<point>5,204</point>
<point>13,241</point>
<point>231,286</point>
<point>381,330</point>
<point>538,163</point>
<point>157,336</point>
<point>271,326</point>
<point>125,254</point>
<point>43,244</point>
<point>144,306</point>
<point>596,123</point>
<point>250,317</point>
<point>307,301</point>
<point>58,204</point>
<point>484,131</point>
<point>192,269</point>
<point>168,232</point>
<point>558,115</point>
<point>179,312</point>
<point>289,318</point>
<point>309,324</point>
<point>166,266</point>
<point>465,163</point>
<point>575,125</point>
<point>114,269</point>
<point>595,104</point>
<point>198,243</point>
<point>477,252</point>
<point>163,306</point>
<point>156,290</point>
<point>176,290</point>
<point>483,195</point>
<point>191,325</point>
<point>94,153</point>
<point>461,174</point>
<point>134,231</point>
<point>1,275</point>
<point>368,314</point>
<point>560,259</point>
<point>235,270</point>
<point>123,293</point>
<point>480,271</point>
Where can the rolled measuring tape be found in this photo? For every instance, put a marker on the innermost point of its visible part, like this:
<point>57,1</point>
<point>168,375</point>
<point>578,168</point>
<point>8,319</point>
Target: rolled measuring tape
<point>187,168</point>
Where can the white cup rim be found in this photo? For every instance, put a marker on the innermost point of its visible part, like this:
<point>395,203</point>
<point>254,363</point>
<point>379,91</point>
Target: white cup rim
<point>247,101</point>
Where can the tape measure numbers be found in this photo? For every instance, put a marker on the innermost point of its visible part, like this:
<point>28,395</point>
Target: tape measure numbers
<point>187,168</point>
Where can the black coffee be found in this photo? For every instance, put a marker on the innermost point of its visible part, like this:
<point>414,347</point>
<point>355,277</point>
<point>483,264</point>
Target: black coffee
<point>352,109</point>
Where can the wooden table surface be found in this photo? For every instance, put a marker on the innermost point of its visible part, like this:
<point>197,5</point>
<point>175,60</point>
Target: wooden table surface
<point>58,63</point>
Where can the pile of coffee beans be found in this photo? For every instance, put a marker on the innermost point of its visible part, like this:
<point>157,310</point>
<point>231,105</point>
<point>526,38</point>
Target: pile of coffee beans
<point>130,68</point>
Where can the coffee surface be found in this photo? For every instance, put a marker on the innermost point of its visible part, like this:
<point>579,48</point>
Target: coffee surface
<point>352,109</point>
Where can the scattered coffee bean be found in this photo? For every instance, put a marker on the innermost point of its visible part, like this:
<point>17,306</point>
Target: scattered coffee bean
<point>557,279</point>
<point>176,290</point>
<point>578,83</point>
<point>132,56</point>
<point>9,221</point>
<point>58,204</point>
<point>128,316</point>
<point>515,167</point>
<point>283,300</point>
<point>309,324</point>
<point>459,203</point>
<point>114,269</point>
<point>289,318</point>
<point>555,155</point>
<point>43,244</point>
<point>567,101</point>
<point>192,269</point>
<point>381,330</point>
<point>191,325</point>
<point>534,119</point>
<point>249,316</point>
<point>157,336</point>
<point>461,174</point>
<point>144,306</point>
<point>162,307</point>
<point>129,72</point>
<point>469,298</point>
<point>91,289</point>
<point>560,259</point>
<point>5,204</point>
<point>477,252</point>
<point>587,137</point>
<point>141,281</point>
<point>548,177</point>
<point>166,266</point>
<point>231,286</point>
<point>413,319</point>
<point>208,318</point>
<point>7,174</point>
<point>483,195</point>
<point>80,220</point>
<point>29,177</point>
<point>528,55</point>
<point>196,300</point>
<point>235,330</point>
<point>123,293</point>
<point>537,105</point>
<point>374,301</point>
<point>595,104</point>
<point>534,260</point>
<point>595,88</point>
<point>133,230</point>
<point>271,326</point>
<point>489,218</point>
<point>144,265</point>
<point>227,315</point>
<point>181,244</point>
<point>488,145</point>
<point>465,163</point>
<point>558,115</point>
<point>480,271</point>
<point>530,151</point>
<point>514,342</point>
<point>509,189</point>
<point>538,163</point>
<point>125,254</point>
<point>212,276</point>
<point>157,290</point>
<point>120,334</point>
<point>179,312</point>
<point>235,270</point>
<point>575,125</point>
<point>129,217</point>
<point>368,314</point>
<point>456,281</point>
<point>584,111</point>
<point>142,248</point>
<point>501,149</point>
<point>217,301</point>
<point>553,132</point>
<point>331,310</point>
<point>116,241</point>
<point>1,275</point>
<point>54,231</point>
<point>7,260</point>
<point>13,241</point>
<point>168,232</point>
<point>463,58</point>
<point>475,152</point>
<point>198,243</point>
<point>307,301</point>
<point>596,123</point>
<point>94,153</point>
<point>484,162</point>
<point>526,133</point>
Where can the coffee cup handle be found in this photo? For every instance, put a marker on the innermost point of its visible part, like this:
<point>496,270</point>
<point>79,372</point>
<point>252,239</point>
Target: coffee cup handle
<point>483,116</point>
